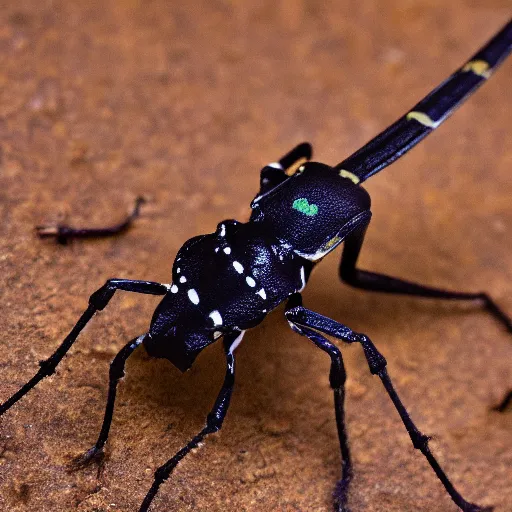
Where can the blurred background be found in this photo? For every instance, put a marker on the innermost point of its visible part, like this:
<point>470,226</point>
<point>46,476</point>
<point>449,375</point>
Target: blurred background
<point>184,102</point>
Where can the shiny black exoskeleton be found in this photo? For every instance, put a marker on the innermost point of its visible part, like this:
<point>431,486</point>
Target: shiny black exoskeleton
<point>223,282</point>
<point>229,280</point>
<point>226,282</point>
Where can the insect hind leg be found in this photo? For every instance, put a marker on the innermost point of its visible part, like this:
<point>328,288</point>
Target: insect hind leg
<point>373,281</point>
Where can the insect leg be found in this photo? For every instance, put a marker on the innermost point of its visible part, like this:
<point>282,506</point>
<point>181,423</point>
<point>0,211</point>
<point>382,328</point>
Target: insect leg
<point>337,378</point>
<point>62,233</point>
<point>383,283</point>
<point>274,173</point>
<point>303,151</point>
<point>214,422</point>
<point>115,375</point>
<point>97,302</point>
<point>303,318</point>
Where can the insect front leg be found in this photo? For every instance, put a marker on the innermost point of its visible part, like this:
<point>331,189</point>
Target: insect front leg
<point>275,173</point>
<point>301,318</point>
<point>337,379</point>
<point>115,375</point>
<point>63,233</point>
<point>372,281</point>
<point>214,422</point>
<point>97,302</point>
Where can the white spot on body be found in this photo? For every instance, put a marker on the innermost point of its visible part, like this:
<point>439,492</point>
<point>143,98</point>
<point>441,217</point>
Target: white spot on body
<point>174,289</point>
<point>222,230</point>
<point>302,278</point>
<point>262,294</point>
<point>183,279</point>
<point>238,267</point>
<point>215,316</point>
<point>178,270</point>
<point>216,249</point>
<point>227,250</point>
<point>192,295</point>
<point>235,343</point>
<point>275,165</point>
<point>250,281</point>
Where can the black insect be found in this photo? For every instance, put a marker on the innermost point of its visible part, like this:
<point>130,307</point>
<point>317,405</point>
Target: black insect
<point>227,282</point>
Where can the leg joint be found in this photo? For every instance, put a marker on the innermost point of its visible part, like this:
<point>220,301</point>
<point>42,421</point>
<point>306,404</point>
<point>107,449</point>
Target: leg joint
<point>116,371</point>
<point>162,473</point>
<point>419,440</point>
<point>337,377</point>
<point>349,274</point>
<point>376,361</point>
<point>100,298</point>
<point>118,363</point>
<point>337,374</point>
<point>294,313</point>
<point>47,368</point>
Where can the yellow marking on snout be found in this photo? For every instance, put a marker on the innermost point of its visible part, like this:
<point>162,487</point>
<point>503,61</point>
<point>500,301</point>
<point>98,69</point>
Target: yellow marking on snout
<point>350,175</point>
<point>479,67</point>
<point>422,118</point>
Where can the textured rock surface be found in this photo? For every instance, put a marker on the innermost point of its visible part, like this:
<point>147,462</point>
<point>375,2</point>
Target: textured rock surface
<point>104,100</point>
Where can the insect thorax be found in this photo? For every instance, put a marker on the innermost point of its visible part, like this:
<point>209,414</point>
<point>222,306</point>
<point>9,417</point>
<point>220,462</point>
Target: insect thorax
<point>313,209</point>
<point>228,280</point>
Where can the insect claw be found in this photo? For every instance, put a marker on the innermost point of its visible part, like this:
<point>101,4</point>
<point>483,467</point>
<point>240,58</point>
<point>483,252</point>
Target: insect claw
<point>340,493</point>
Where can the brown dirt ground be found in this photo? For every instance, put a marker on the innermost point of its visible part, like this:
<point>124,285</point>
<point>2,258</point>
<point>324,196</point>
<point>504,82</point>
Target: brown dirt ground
<point>184,102</point>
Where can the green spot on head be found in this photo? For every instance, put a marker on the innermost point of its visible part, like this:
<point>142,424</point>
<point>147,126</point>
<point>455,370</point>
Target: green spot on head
<point>302,205</point>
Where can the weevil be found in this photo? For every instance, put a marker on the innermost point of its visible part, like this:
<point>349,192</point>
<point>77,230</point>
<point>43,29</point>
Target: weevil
<point>226,282</point>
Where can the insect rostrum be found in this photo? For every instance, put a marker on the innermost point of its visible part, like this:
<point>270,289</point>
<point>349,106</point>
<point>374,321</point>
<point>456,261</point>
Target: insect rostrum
<point>226,282</point>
